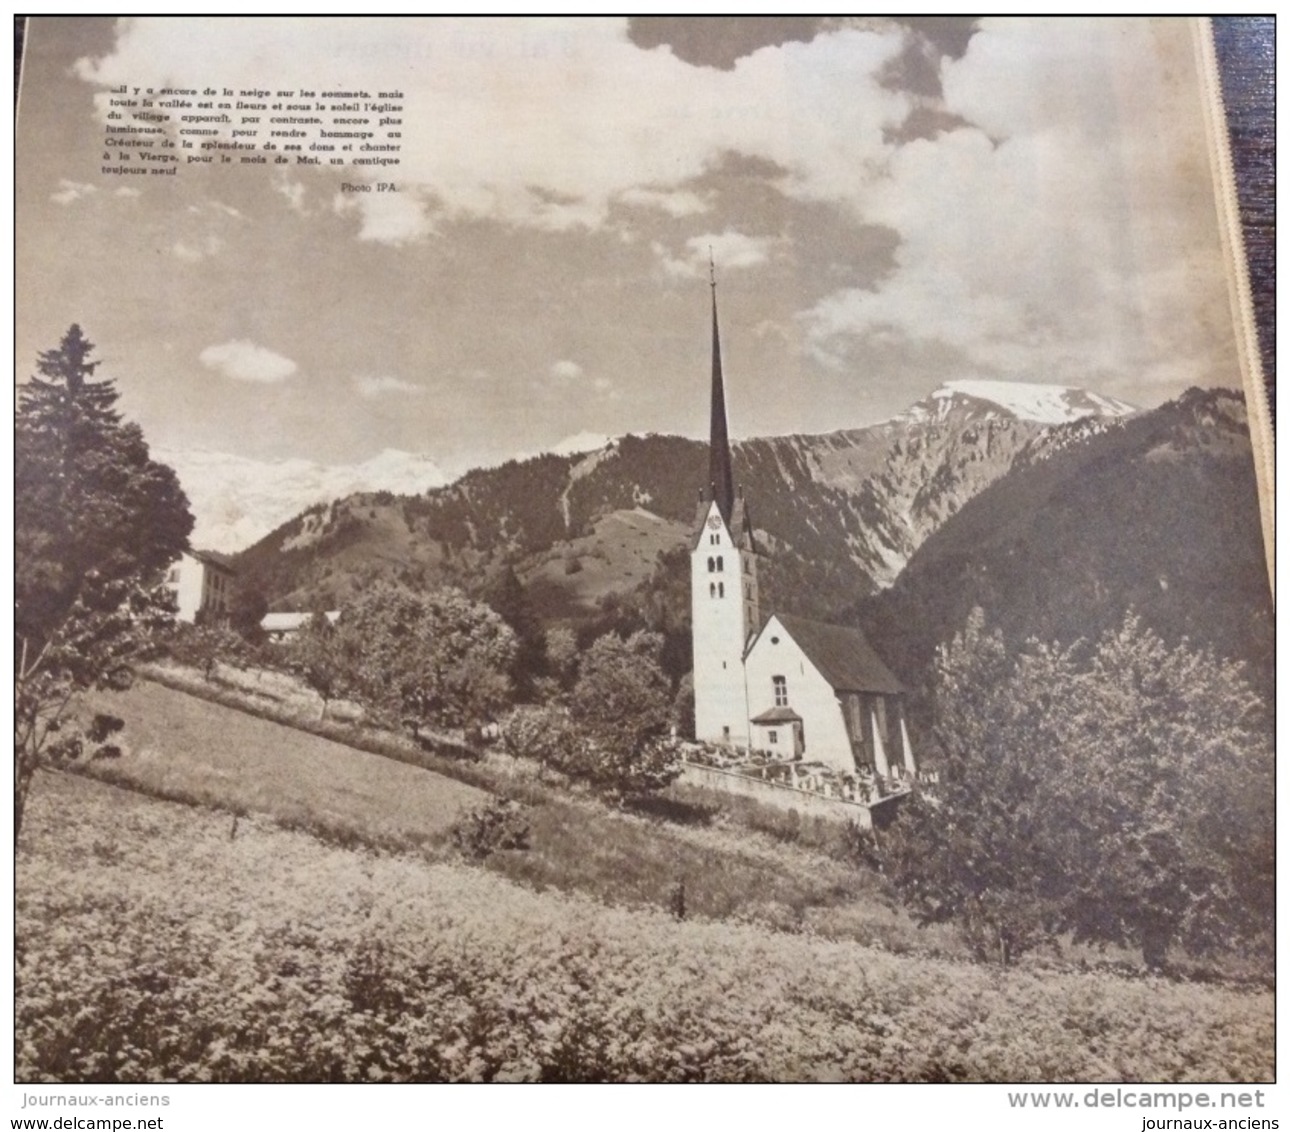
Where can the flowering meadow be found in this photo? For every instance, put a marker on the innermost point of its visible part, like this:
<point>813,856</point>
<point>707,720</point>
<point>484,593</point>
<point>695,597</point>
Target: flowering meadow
<point>182,748</point>
<point>163,942</point>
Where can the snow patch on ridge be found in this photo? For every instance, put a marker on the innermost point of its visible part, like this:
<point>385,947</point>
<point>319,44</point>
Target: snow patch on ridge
<point>994,400</point>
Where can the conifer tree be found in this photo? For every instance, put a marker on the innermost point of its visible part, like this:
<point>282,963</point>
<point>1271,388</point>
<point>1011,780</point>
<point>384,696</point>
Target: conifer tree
<point>96,521</point>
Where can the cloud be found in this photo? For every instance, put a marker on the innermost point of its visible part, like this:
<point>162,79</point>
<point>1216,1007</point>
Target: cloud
<point>294,191</point>
<point>69,191</point>
<point>379,386</point>
<point>199,250</point>
<point>245,361</point>
<point>579,442</point>
<point>546,123</point>
<point>127,191</point>
<point>729,251</point>
<point>565,370</point>
<point>676,203</point>
<point>1050,211</point>
<point>387,218</point>
<point>565,373</point>
<point>1054,236</point>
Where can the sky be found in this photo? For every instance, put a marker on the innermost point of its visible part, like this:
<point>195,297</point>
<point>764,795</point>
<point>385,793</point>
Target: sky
<point>890,204</point>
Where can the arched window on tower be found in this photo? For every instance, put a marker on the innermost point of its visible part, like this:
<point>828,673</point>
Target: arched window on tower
<point>720,563</point>
<point>712,565</point>
<point>712,589</point>
<point>721,589</point>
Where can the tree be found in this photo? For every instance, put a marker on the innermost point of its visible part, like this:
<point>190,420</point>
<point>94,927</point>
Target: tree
<point>623,702</point>
<point>96,521</point>
<point>1165,799</point>
<point>1120,792</point>
<point>562,655</point>
<point>205,645</point>
<point>434,657</point>
<point>247,608</point>
<point>545,734</point>
<point>973,851</point>
<point>318,656</point>
<point>506,595</point>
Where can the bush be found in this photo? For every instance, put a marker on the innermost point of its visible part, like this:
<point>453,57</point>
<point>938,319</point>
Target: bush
<point>1119,791</point>
<point>547,735</point>
<point>205,646</point>
<point>500,824</point>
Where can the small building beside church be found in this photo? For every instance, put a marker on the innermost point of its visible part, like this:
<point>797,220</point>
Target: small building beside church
<point>785,687</point>
<point>800,671</point>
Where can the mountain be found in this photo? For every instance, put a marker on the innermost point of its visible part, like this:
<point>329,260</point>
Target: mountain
<point>1157,514</point>
<point>838,514</point>
<point>237,501</point>
<point>958,401</point>
<point>924,464</point>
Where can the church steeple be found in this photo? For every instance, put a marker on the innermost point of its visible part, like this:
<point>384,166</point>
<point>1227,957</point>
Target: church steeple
<point>721,480</point>
<point>724,605</point>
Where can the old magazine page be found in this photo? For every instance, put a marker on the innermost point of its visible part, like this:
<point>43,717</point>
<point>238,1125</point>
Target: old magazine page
<point>637,550</point>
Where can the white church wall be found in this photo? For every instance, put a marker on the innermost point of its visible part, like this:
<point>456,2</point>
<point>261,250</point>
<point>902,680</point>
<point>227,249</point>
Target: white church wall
<point>824,732</point>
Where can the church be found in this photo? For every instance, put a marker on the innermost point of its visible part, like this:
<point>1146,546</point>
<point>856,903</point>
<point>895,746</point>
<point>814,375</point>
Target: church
<point>782,687</point>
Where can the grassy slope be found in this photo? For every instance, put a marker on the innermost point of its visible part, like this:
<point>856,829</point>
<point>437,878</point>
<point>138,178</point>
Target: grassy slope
<point>176,746</point>
<point>188,749</point>
<point>618,555</point>
<point>154,946</point>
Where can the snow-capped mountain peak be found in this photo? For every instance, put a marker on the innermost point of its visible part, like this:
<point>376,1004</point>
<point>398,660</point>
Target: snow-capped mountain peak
<point>956,402</point>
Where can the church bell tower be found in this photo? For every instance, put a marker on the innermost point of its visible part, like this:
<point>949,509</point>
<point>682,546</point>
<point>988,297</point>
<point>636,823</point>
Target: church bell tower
<point>724,605</point>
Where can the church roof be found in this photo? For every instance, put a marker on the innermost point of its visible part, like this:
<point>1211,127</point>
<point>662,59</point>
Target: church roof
<point>721,477</point>
<point>844,656</point>
<point>721,480</point>
<point>778,715</point>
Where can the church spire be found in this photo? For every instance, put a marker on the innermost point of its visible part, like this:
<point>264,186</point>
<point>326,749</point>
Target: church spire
<point>720,476</point>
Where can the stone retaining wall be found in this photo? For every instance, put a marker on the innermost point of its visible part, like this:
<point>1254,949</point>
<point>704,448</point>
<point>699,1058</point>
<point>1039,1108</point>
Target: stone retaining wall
<point>773,794</point>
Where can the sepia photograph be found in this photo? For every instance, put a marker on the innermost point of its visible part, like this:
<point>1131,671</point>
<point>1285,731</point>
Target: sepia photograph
<point>655,549</point>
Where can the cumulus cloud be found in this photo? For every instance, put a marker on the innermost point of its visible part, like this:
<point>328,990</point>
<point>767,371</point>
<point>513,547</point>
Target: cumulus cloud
<point>245,361</point>
<point>1050,227</point>
<point>565,370</point>
<point>729,251</point>
<point>387,218</point>
<point>675,202</point>
<point>69,191</point>
<point>380,386</point>
<point>1055,235</point>
<point>579,442</point>
<point>191,251</point>
<point>565,374</point>
<point>547,122</point>
<point>293,191</point>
